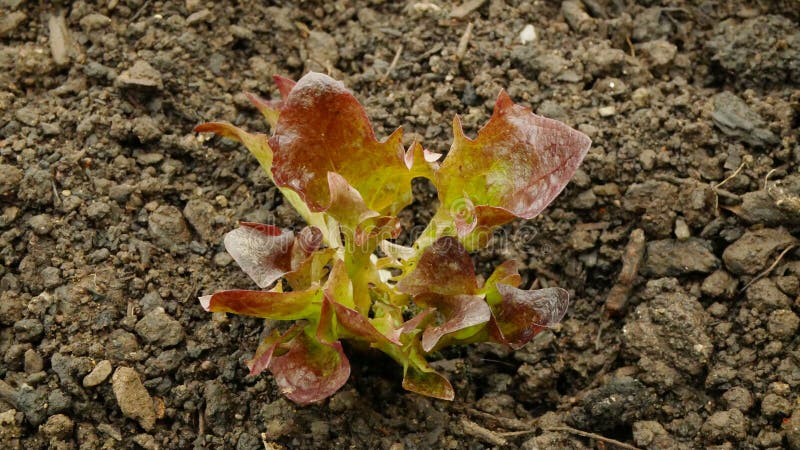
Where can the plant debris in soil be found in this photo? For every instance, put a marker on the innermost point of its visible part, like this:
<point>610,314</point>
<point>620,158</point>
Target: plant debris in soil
<point>687,208</point>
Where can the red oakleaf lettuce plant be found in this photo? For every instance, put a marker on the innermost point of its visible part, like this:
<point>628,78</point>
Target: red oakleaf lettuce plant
<point>348,186</point>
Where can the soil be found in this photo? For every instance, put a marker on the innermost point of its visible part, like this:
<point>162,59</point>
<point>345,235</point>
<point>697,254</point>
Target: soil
<point>684,216</point>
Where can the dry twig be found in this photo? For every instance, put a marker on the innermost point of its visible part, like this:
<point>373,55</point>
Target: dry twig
<point>463,10</point>
<point>631,259</point>
<point>393,65</point>
<point>462,44</point>
<point>770,268</point>
<point>594,436</point>
<point>483,434</point>
<point>504,422</point>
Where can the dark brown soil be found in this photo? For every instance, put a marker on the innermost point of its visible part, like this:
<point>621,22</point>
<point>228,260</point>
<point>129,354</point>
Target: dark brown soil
<point>113,211</point>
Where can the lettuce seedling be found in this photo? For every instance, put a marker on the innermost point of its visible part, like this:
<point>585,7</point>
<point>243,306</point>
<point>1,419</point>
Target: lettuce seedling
<point>408,302</point>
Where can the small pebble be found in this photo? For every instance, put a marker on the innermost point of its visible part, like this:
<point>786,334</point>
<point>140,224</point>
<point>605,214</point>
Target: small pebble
<point>141,75</point>
<point>739,398</point>
<point>783,324</point>
<point>222,259</point>
<point>33,361</point>
<point>773,405</point>
<point>41,224</point>
<point>160,328</point>
<point>10,21</point>
<point>28,330</point>
<point>132,397</point>
<point>682,231</point>
<point>58,427</point>
<point>99,374</point>
<point>528,34</point>
<point>607,111</point>
<point>648,159</point>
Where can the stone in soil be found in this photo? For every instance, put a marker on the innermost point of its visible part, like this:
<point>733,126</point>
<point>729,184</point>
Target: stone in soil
<point>670,328</point>
<point>33,403</point>
<point>730,425</point>
<point>218,405</point>
<point>93,22</point>
<point>122,345</point>
<point>146,441</point>
<point>10,425</point>
<point>720,284</point>
<point>783,324</point>
<point>133,399</point>
<point>621,401</point>
<point>658,54</point>
<point>58,427</point>
<point>28,330</point>
<point>749,53</point>
<point>756,250</point>
<point>10,177</point>
<point>10,21</point>
<point>773,405</point>
<point>33,361</point>
<point>159,328</point>
<point>140,76</point>
<point>651,434</point>
<point>669,257</point>
<point>200,213</point>
<point>168,228</point>
<point>764,295</point>
<point>41,224</point>
<point>735,119</point>
<point>772,206</point>
<point>99,374</point>
<point>739,398</point>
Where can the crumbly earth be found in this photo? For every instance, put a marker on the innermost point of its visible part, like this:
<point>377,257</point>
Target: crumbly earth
<point>113,211</point>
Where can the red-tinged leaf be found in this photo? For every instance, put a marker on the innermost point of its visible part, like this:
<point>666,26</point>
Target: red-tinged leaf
<point>346,204</point>
<point>421,162</point>
<point>270,110</point>
<point>524,313</point>
<point>374,230</point>
<point>256,143</point>
<point>264,256</point>
<point>515,167</point>
<point>285,85</point>
<point>396,252</point>
<point>464,315</point>
<point>267,348</point>
<point>311,270</point>
<point>269,230</point>
<point>310,371</point>
<point>322,128</point>
<point>305,244</point>
<point>355,326</point>
<point>308,240</point>
<point>265,304</point>
<point>506,273</point>
<point>417,322</point>
<point>420,378</point>
<point>326,328</point>
<point>444,268</point>
<point>338,287</point>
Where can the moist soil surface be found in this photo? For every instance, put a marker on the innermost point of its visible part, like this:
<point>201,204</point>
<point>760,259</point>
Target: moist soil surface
<point>677,238</point>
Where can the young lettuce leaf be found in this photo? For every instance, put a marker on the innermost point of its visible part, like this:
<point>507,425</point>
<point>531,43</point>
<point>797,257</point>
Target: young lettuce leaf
<point>324,157</point>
